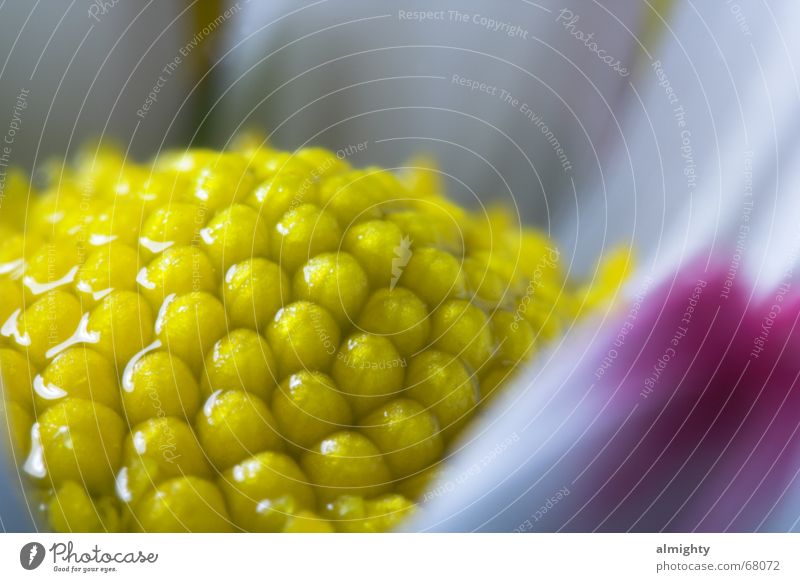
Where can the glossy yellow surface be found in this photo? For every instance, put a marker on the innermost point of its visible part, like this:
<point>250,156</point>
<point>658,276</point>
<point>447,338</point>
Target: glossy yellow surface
<point>79,440</point>
<point>308,406</point>
<point>264,490</point>
<point>158,384</point>
<point>407,434</point>
<point>235,234</point>
<point>336,282</point>
<point>258,340</point>
<point>72,510</point>
<point>303,336</point>
<point>189,325</point>
<point>155,450</point>
<point>242,360</point>
<point>346,463</point>
<point>234,425</point>
<point>253,291</point>
<point>180,505</point>
<point>177,270</point>
<point>400,316</point>
<point>369,370</point>
<point>78,372</point>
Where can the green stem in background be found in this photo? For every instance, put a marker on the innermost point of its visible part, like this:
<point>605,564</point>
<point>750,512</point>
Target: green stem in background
<point>205,67</point>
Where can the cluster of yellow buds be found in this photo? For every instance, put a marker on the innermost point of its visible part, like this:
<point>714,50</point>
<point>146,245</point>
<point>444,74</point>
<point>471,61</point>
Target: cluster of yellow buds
<point>254,339</point>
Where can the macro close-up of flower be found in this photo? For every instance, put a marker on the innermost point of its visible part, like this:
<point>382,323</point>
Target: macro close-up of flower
<point>339,266</point>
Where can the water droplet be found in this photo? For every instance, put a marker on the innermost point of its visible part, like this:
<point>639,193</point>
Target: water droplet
<point>38,288</point>
<point>127,374</point>
<point>47,391</point>
<point>162,312</point>
<point>208,407</point>
<point>139,442</point>
<point>122,487</point>
<point>141,279</point>
<point>82,335</point>
<point>97,240</point>
<point>12,267</point>
<point>208,236</point>
<point>34,464</point>
<point>155,246</point>
<point>11,329</point>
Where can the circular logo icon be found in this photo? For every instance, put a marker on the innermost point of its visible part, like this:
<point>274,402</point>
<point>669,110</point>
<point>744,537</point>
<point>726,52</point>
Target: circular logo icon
<point>31,555</point>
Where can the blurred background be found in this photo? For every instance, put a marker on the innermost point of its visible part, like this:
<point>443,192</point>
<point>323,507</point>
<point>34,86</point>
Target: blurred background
<point>654,124</point>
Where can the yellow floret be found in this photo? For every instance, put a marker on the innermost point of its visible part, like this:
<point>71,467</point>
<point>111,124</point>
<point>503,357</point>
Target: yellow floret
<point>177,270</point>
<point>336,282</point>
<point>54,266</point>
<point>543,314</point>
<point>376,246</point>
<point>406,433</point>
<point>71,510</point>
<point>513,335</point>
<point>111,267</point>
<point>158,449</point>
<point>16,378</point>
<point>441,383</point>
<point>121,326</point>
<point>324,162</point>
<point>385,187</point>
<point>235,234</point>
<point>242,360</point>
<point>11,293</point>
<point>268,163</point>
<point>495,378</point>
<point>429,230</point>
<point>419,486</point>
<point>349,198</point>
<point>55,213</point>
<point>15,247</point>
<point>614,269</point>
<point>189,325</point>
<point>282,193</point>
<point>253,291</point>
<point>118,222</point>
<point>158,384</point>
<point>423,177</point>
<point>369,371</point>
<point>307,522</point>
<point>78,372</point>
<point>17,422</point>
<point>346,463</point>
<point>183,504</point>
<point>487,285</point>
<point>434,275</point>
<point>303,336</point>
<point>354,514</point>
<point>78,440</point>
<point>51,320</point>
<point>18,193</point>
<point>308,406</point>
<point>234,425</point>
<point>221,182</point>
<point>463,330</point>
<point>399,315</point>
<point>173,225</point>
<point>302,233</point>
<point>265,491</point>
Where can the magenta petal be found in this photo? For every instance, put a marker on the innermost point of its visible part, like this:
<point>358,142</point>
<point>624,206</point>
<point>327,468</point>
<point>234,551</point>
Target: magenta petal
<point>710,444</point>
<point>713,442</point>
